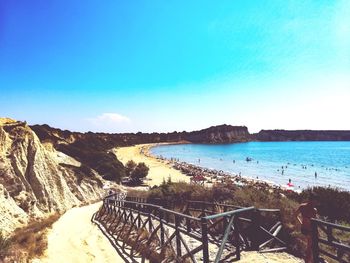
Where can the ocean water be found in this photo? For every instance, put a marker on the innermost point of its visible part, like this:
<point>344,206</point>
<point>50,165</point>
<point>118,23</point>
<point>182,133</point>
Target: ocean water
<point>300,161</point>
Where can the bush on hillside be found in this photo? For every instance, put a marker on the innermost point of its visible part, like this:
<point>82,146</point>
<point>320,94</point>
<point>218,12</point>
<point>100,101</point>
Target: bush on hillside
<point>105,163</point>
<point>140,171</point>
<point>332,203</point>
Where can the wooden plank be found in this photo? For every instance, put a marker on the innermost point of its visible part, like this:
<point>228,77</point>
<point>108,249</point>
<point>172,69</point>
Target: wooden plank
<point>267,232</point>
<point>193,252</point>
<point>189,252</point>
<point>319,222</point>
<point>152,234</point>
<point>335,244</point>
<point>273,250</point>
<point>323,252</point>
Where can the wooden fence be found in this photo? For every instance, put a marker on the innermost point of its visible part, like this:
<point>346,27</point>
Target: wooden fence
<point>331,241</point>
<point>199,232</point>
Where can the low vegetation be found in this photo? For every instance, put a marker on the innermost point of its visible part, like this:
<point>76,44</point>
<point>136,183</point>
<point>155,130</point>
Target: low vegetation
<point>136,172</point>
<point>95,157</point>
<point>4,245</point>
<point>28,242</point>
<point>332,203</point>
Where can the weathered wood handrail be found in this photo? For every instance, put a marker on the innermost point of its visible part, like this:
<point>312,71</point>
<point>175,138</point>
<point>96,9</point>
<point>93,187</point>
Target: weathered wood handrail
<point>180,214</point>
<point>332,241</point>
<point>228,230</point>
<point>229,213</point>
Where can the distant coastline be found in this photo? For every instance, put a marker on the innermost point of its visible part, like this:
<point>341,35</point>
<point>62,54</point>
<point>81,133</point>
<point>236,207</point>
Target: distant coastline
<point>221,134</point>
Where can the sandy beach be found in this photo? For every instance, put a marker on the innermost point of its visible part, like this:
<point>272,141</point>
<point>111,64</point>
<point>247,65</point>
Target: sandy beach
<point>159,170</point>
<point>73,238</point>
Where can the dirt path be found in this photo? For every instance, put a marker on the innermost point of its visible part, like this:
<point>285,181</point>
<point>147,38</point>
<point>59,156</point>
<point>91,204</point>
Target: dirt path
<point>73,238</point>
<point>255,257</point>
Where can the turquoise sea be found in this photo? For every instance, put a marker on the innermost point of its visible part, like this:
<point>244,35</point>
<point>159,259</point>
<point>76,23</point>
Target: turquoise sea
<point>271,161</point>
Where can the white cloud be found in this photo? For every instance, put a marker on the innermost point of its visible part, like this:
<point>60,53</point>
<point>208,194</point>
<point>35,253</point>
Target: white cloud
<point>112,118</point>
<point>108,121</point>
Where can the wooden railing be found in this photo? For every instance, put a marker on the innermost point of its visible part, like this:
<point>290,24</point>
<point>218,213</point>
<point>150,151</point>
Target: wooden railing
<point>331,241</point>
<point>199,232</point>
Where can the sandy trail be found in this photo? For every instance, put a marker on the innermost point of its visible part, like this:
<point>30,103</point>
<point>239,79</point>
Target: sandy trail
<point>158,170</point>
<point>73,238</point>
<point>255,257</point>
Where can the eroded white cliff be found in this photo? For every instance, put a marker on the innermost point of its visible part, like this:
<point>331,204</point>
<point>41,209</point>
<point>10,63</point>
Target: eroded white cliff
<point>36,180</point>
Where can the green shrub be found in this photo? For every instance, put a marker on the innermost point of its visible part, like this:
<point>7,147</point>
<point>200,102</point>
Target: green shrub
<point>140,171</point>
<point>332,203</point>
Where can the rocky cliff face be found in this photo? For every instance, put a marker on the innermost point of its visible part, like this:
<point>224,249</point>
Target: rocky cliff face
<point>36,179</point>
<point>219,134</point>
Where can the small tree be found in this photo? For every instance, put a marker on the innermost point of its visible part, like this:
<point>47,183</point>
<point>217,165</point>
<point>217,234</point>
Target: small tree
<point>140,172</point>
<point>130,167</point>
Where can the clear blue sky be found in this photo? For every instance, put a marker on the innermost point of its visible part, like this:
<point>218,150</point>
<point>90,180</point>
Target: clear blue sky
<point>121,66</point>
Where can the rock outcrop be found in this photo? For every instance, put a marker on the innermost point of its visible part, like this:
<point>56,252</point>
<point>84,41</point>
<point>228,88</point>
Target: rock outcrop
<point>219,134</point>
<point>36,179</point>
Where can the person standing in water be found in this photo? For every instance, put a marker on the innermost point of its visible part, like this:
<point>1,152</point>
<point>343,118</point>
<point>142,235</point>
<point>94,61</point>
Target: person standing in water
<point>315,175</point>
<point>307,211</point>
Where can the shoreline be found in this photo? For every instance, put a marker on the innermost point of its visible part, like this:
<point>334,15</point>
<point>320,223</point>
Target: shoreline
<point>214,175</point>
<point>184,172</point>
<point>159,170</point>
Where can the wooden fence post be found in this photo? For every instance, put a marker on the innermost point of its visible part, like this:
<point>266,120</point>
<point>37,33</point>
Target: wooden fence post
<point>188,225</point>
<point>177,235</point>
<point>204,225</point>
<point>256,229</point>
<point>149,220</point>
<point>315,248</point>
<point>161,227</point>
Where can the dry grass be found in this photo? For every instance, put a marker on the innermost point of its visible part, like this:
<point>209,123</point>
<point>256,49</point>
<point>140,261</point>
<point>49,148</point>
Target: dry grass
<point>29,242</point>
<point>4,245</point>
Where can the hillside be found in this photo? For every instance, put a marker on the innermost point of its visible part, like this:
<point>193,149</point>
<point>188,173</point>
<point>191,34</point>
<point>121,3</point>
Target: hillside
<point>37,180</point>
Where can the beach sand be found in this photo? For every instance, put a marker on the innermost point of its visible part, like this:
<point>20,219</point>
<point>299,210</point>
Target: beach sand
<point>73,238</point>
<point>158,169</point>
<point>281,257</point>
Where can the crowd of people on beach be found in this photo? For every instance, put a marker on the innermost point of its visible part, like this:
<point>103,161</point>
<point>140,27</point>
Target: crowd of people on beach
<point>213,176</point>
